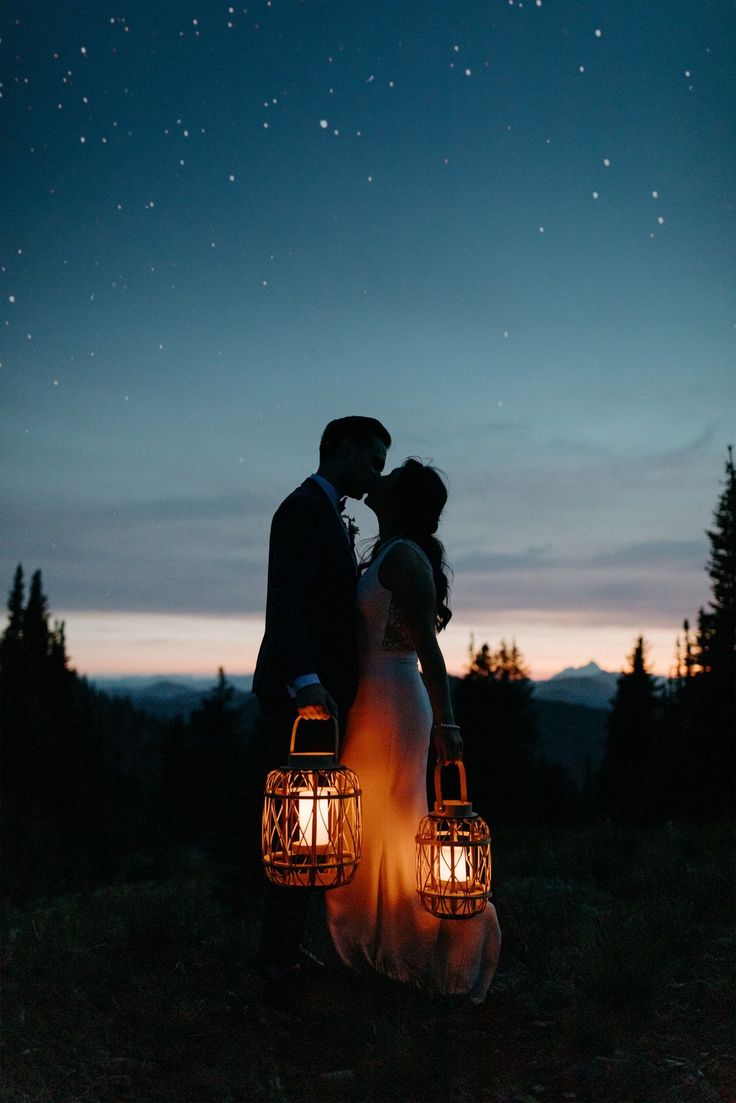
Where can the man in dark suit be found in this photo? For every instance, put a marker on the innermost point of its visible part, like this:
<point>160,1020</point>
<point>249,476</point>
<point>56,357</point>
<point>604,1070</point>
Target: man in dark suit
<point>307,663</point>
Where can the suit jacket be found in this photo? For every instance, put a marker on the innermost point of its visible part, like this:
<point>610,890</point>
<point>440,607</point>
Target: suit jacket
<point>310,605</point>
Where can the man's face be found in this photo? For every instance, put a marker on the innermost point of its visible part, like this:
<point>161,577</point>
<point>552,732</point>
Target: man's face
<point>364,464</point>
<point>380,493</point>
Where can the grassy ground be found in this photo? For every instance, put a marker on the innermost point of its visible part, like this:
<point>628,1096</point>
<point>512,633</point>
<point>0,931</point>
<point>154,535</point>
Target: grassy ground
<point>615,985</point>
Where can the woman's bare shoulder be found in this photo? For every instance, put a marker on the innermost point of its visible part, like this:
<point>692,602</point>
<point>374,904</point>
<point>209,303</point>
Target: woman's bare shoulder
<point>404,561</point>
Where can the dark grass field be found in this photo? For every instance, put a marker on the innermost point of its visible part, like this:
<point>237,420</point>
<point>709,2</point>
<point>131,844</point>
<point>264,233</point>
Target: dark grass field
<point>615,984</point>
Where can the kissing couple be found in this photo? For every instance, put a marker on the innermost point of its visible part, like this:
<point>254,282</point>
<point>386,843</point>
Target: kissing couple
<point>344,641</point>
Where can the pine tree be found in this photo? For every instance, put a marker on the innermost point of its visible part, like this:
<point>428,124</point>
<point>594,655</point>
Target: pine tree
<point>49,752</point>
<point>215,725</point>
<point>14,631</point>
<point>36,640</point>
<point>495,709</point>
<point>689,659</point>
<point>706,716</point>
<point>719,624</point>
<point>79,770</point>
<point>516,669</point>
<point>627,782</point>
<point>481,663</point>
<point>30,744</point>
<point>14,698</point>
<point>58,657</point>
<point>505,665</point>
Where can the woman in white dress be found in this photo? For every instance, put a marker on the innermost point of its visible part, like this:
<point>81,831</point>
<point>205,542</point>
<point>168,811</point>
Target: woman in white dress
<point>378,920</point>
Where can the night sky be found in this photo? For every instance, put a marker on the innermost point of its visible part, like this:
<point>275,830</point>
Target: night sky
<point>506,229</point>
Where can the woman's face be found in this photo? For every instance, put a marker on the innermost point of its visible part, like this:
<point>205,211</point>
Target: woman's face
<point>380,497</point>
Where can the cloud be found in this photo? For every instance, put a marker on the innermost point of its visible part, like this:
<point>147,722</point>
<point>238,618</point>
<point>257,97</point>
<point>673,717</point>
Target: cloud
<point>653,582</point>
<point>680,555</point>
<point>496,562</point>
<point>447,445</point>
<point>537,538</point>
<point>194,554</point>
<point>695,448</point>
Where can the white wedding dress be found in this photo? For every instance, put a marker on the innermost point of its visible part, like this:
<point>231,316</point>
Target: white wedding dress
<point>378,919</point>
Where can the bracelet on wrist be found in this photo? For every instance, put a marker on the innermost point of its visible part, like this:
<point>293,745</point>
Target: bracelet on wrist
<point>453,727</point>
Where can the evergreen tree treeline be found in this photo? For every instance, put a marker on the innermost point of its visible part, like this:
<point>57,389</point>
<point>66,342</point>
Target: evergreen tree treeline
<point>93,788</point>
<point>629,776</point>
<point>509,782</point>
<point>670,753</point>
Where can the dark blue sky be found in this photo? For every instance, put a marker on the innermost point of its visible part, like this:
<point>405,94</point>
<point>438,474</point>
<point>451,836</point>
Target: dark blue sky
<point>505,229</point>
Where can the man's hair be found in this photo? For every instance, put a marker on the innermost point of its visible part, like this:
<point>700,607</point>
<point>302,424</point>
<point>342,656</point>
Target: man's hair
<point>361,430</point>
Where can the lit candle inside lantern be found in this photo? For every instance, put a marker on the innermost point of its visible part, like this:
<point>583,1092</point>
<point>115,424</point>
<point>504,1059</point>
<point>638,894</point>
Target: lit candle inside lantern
<point>314,817</point>
<point>454,864</point>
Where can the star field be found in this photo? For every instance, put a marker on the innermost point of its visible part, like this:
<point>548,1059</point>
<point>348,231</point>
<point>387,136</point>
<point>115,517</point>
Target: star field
<point>504,228</point>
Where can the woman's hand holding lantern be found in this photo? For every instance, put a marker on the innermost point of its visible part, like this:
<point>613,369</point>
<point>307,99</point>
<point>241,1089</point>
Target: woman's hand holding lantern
<point>447,740</point>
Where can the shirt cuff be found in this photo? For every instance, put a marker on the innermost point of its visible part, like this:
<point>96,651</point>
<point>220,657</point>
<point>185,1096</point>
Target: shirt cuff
<point>301,681</point>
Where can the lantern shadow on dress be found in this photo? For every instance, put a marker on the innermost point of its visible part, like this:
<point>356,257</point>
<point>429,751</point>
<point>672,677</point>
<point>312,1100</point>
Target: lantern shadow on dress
<point>311,825</point>
<point>453,856</point>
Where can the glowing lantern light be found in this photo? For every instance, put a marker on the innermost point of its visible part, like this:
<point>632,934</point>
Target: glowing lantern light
<point>311,824</point>
<point>453,855</point>
<point>314,817</point>
<point>453,864</point>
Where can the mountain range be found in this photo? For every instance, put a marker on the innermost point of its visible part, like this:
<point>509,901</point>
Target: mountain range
<point>172,694</point>
<point>168,695</point>
<point>583,685</point>
<point>571,708</point>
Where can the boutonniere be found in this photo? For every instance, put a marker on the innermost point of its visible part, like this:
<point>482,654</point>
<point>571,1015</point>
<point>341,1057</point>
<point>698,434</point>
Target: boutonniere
<point>352,528</point>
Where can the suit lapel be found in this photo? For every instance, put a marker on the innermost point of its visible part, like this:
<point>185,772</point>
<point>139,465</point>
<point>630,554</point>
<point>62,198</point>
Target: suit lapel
<point>332,517</point>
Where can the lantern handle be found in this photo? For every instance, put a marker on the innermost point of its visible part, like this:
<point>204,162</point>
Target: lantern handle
<point>336,731</point>
<point>461,774</point>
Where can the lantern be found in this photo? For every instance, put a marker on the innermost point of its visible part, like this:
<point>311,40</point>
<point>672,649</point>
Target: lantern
<point>453,855</point>
<point>311,825</point>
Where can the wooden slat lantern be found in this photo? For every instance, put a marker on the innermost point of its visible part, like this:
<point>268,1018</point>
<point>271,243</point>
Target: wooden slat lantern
<point>311,825</point>
<point>453,855</point>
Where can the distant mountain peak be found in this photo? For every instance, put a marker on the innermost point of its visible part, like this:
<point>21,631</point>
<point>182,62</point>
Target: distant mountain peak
<point>590,670</point>
<point>588,685</point>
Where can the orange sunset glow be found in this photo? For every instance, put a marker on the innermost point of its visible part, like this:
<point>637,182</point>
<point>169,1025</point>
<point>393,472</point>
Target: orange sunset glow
<point>108,644</point>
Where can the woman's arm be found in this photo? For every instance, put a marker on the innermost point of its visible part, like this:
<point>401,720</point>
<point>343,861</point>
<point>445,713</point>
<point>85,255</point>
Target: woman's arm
<point>407,575</point>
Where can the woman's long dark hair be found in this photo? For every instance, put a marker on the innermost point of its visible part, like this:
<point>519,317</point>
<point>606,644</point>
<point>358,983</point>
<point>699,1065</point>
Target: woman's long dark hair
<point>420,496</point>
